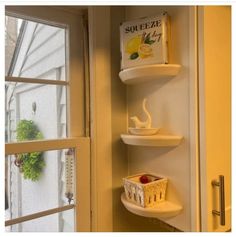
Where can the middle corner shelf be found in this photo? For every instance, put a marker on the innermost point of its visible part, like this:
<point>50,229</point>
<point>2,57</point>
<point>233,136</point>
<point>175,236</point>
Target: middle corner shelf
<point>158,140</point>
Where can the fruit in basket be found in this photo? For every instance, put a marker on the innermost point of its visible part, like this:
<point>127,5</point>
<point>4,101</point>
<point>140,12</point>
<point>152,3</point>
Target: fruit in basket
<point>144,179</point>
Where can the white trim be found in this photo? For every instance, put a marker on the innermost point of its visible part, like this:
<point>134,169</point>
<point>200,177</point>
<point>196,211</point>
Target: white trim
<point>83,209</point>
<point>42,14</point>
<point>38,215</point>
<point>202,127</point>
<point>76,101</point>
<point>41,145</point>
<point>194,133</point>
<point>36,80</point>
<point>100,90</point>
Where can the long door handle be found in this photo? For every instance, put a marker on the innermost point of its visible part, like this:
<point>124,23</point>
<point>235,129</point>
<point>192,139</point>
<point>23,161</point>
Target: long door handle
<point>221,186</point>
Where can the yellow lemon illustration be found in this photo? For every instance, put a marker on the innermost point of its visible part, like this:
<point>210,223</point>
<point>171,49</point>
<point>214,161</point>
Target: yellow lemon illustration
<point>133,45</point>
<point>145,50</point>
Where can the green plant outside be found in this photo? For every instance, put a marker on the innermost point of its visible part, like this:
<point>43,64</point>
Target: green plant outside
<point>32,163</point>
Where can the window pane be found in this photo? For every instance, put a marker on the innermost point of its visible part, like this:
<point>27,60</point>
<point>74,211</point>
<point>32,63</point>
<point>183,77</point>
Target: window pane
<point>34,50</point>
<point>35,108</point>
<point>38,225</point>
<point>39,181</point>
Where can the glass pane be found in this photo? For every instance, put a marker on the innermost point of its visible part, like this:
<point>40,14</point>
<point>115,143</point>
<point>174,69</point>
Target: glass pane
<point>39,181</point>
<point>34,50</point>
<point>52,224</point>
<point>35,111</point>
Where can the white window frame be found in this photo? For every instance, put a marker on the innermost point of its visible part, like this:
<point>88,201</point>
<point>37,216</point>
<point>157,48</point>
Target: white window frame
<point>76,103</point>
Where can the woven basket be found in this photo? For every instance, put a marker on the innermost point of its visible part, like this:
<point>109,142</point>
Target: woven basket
<point>145,195</point>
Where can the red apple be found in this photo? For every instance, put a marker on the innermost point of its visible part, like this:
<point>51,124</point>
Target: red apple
<point>144,179</point>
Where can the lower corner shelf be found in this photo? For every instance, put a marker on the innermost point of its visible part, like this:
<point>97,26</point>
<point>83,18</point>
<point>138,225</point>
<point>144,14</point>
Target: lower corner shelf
<point>164,210</point>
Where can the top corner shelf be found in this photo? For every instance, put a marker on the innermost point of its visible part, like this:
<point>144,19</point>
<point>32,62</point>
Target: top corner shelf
<point>147,73</point>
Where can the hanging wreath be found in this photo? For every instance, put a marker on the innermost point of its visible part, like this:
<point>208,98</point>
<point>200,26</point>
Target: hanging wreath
<point>30,164</point>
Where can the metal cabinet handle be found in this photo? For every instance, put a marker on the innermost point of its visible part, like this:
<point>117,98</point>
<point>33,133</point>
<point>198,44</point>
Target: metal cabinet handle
<point>221,186</point>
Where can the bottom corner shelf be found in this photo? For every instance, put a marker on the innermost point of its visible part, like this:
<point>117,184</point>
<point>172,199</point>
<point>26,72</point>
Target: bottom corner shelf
<point>164,210</point>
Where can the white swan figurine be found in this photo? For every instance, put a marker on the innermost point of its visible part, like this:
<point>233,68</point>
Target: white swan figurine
<point>145,124</point>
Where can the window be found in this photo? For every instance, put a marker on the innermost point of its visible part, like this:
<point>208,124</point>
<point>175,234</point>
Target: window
<point>45,114</point>
<point>28,184</point>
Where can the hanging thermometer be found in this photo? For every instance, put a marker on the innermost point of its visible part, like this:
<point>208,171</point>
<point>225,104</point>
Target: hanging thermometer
<point>69,174</point>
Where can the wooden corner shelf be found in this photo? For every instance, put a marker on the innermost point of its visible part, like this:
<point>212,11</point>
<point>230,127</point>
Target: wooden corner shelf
<point>147,73</point>
<point>164,209</point>
<point>153,140</point>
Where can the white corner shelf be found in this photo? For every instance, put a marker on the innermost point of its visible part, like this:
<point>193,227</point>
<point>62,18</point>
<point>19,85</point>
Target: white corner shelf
<point>153,140</point>
<point>164,209</point>
<point>147,73</point>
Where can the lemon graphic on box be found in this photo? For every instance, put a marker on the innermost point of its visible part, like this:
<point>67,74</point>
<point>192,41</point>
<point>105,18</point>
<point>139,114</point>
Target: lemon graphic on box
<point>133,45</point>
<point>137,47</point>
<point>145,50</point>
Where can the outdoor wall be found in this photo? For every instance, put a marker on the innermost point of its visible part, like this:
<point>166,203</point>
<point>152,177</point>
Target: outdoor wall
<point>42,192</point>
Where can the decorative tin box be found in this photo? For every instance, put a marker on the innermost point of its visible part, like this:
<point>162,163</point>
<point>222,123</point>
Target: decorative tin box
<point>144,41</point>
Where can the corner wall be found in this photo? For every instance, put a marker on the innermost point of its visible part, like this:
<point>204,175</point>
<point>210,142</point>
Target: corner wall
<point>168,103</point>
